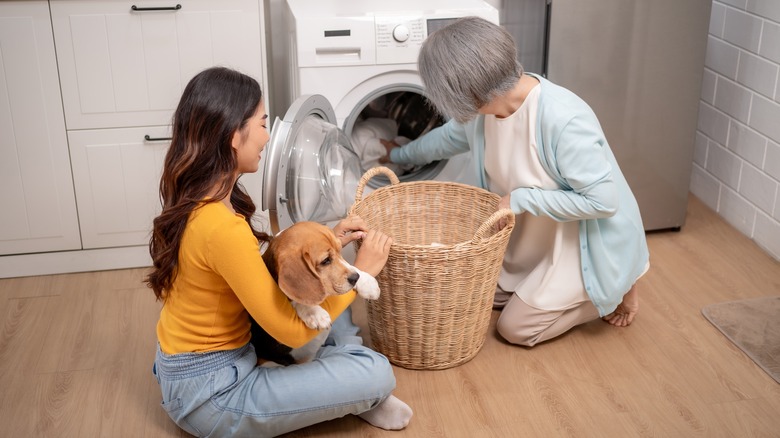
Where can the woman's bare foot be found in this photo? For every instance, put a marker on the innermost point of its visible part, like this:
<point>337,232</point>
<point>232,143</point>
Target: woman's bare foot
<point>626,311</point>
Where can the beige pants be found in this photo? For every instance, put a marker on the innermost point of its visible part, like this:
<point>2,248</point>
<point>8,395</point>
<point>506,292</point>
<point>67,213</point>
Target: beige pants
<point>522,324</point>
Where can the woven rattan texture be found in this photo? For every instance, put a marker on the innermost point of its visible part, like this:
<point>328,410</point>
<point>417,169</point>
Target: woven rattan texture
<point>440,278</point>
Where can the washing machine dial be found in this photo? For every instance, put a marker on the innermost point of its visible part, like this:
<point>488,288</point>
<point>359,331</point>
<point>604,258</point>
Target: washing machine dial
<point>401,33</point>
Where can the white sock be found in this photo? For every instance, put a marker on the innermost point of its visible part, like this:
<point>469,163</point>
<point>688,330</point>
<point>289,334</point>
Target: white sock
<point>391,414</point>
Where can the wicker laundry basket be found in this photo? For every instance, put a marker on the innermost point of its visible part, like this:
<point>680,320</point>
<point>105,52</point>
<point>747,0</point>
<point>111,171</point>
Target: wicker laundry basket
<point>438,284</point>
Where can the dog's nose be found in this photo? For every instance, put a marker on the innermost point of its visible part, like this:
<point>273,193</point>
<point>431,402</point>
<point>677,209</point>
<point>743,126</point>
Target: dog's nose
<point>353,278</point>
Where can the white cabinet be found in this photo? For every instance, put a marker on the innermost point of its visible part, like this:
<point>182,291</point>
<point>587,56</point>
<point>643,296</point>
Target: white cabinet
<point>117,173</point>
<point>82,83</point>
<point>37,205</point>
<point>124,64</point>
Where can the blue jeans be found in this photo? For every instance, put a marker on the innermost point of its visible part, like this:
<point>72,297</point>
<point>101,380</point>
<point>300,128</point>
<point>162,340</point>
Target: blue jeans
<point>224,393</point>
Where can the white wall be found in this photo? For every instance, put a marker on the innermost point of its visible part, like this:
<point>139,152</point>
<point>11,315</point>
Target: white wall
<point>737,158</point>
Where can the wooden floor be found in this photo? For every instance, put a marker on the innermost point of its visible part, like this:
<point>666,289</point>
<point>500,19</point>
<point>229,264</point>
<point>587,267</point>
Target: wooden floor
<point>76,353</point>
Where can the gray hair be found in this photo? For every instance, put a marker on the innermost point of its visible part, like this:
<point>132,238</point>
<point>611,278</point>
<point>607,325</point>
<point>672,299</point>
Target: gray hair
<point>467,64</point>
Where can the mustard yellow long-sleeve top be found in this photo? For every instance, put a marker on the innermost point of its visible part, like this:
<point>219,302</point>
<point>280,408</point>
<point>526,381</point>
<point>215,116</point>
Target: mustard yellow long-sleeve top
<point>221,276</point>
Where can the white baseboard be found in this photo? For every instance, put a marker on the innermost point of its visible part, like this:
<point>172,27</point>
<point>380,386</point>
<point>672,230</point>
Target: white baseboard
<point>63,262</point>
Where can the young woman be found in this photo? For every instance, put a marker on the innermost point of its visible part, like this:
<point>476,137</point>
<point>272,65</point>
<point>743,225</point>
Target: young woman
<point>210,276</point>
<point>578,245</point>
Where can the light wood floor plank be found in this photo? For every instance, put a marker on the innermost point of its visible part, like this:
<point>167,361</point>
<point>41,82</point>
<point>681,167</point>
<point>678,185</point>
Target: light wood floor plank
<point>76,353</point>
<point>59,407</point>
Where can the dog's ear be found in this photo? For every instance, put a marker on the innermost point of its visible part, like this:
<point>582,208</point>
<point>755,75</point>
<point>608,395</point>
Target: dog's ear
<point>299,280</point>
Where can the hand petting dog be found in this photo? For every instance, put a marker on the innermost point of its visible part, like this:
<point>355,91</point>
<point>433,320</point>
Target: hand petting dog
<point>306,262</point>
<point>373,252</point>
<point>375,247</point>
<point>350,229</point>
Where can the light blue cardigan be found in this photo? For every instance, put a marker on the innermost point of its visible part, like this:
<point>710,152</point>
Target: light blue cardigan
<point>574,152</point>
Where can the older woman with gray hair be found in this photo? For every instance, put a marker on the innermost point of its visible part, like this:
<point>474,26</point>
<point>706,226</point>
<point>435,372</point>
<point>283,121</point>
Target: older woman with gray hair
<point>578,246</point>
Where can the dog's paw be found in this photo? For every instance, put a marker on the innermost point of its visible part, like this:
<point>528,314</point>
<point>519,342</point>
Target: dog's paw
<point>315,317</point>
<point>367,286</point>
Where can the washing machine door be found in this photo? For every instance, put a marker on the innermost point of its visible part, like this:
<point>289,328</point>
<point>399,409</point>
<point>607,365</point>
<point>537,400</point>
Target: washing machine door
<point>311,170</point>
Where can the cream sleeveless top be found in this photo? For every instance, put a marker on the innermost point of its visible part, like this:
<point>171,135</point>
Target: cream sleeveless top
<point>542,261</point>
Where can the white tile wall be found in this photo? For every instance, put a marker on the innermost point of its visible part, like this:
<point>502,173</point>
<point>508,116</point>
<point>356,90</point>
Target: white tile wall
<point>747,143</point>
<point>700,149</point>
<point>723,165</point>
<point>769,9</point>
<point>713,123</point>
<point>737,211</point>
<point>757,73</point>
<point>717,19</point>
<point>769,48</point>
<point>742,29</point>
<point>736,167</point>
<point>773,164</point>
<point>767,229</point>
<point>758,188</point>
<point>736,3</point>
<point>733,99</point>
<point>708,86</point>
<point>706,186</point>
<point>722,57</point>
<point>765,117</point>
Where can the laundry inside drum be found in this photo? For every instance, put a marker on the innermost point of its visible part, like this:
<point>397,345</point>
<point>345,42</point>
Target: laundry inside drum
<point>400,116</point>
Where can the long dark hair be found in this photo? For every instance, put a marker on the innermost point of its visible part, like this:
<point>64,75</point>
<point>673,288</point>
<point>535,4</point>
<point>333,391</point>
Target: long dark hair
<point>215,104</point>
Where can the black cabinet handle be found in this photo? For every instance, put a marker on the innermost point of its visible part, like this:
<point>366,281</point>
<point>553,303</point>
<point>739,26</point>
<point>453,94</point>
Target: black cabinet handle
<point>148,138</point>
<point>164,8</point>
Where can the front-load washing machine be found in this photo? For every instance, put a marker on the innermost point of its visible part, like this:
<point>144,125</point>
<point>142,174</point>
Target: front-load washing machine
<point>350,64</point>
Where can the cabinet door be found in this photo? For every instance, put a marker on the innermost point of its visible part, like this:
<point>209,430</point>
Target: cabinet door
<point>123,67</point>
<point>117,174</point>
<point>37,205</point>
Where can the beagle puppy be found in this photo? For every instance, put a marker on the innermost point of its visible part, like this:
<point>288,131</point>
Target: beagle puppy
<point>306,262</point>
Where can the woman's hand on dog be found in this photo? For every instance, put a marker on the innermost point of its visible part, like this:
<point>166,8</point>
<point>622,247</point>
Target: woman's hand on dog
<point>350,229</point>
<point>373,252</point>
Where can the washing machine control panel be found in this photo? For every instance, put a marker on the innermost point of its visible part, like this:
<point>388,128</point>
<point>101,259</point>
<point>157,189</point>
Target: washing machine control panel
<point>398,39</point>
<point>335,33</point>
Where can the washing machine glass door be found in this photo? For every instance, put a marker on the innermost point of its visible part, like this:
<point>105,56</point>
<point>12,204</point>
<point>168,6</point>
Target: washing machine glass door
<point>311,171</point>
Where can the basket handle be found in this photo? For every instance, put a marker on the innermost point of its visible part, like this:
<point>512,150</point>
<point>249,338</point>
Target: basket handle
<point>374,171</point>
<point>491,224</point>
